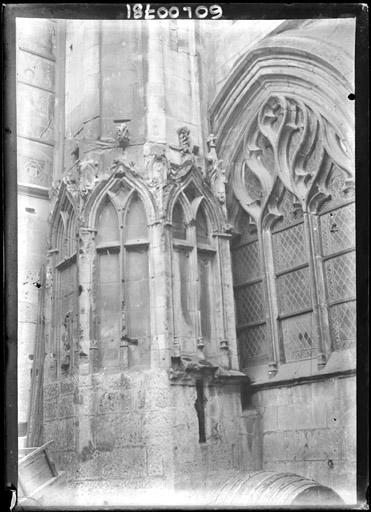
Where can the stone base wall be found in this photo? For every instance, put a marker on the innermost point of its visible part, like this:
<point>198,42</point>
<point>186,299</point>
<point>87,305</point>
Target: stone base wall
<point>140,429</point>
<point>59,425</point>
<point>310,429</point>
<point>224,449</point>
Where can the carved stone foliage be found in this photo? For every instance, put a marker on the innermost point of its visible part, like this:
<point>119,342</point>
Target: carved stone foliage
<point>158,178</point>
<point>289,143</point>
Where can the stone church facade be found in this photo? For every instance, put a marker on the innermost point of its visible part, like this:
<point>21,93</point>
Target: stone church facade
<point>186,202</point>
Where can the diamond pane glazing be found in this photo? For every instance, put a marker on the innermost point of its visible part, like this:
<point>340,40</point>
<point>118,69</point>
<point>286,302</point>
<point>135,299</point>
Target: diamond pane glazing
<point>250,303</point>
<point>253,345</point>
<point>298,339</point>
<point>343,323</point>
<point>338,229</point>
<point>340,275</point>
<point>294,291</point>
<point>246,262</point>
<point>289,248</point>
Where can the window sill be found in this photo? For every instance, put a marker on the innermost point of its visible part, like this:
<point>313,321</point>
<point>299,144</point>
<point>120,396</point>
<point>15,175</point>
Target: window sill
<point>339,363</point>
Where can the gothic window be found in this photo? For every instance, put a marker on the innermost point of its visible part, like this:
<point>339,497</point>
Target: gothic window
<point>184,307</point>
<point>337,252</point>
<point>136,282</point>
<point>249,294</point>
<point>108,304</point>
<point>122,305</point>
<point>293,282</point>
<point>311,279</point>
<point>179,224</point>
<point>65,316</point>
<point>293,175</point>
<point>205,263</point>
<point>194,261</point>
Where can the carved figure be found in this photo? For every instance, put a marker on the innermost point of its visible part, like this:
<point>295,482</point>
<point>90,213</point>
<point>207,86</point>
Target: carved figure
<point>122,135</point>
<point>216,171</point>
<point>67,341</point>
<point>184,140</point>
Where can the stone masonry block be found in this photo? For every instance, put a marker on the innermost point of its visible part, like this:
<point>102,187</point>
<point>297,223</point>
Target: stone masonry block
<point>319,412</point>
<point>66,406</point>
<point>272,446</point>
<point>303,415</point>
<point>301,394</point>
<point>51,391</point>
<point>50,410</point>
<point>270,418</point>
<point>67,386</point>
<point>286,417</point>
<point>155,460</point>
<point>124,462</point>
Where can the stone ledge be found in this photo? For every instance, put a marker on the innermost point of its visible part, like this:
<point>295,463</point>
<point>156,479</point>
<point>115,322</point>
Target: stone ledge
<point>339,364</point>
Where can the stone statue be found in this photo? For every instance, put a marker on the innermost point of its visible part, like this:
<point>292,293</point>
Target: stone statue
<point>216,171</point>
<point>122,135</point>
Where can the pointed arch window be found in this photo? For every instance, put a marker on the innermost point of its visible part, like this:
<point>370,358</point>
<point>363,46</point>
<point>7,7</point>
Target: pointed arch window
<point>194,282</point>
<point>309,261</point>
<point>136,283</point>
<point>206,268</point>
<point>122,298</point>
<point>184,306</point>
<point>108,301</point>
<point>65,317</point>
<point>179,223</point>
<point>294,175</point>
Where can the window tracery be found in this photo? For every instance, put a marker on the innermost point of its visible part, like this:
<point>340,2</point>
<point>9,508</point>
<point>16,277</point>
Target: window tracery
<point>293,180</point>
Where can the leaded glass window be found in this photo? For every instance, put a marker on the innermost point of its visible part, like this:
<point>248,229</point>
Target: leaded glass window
<point>293,282</point>
<point>337,237</point>
<point>249,294</point>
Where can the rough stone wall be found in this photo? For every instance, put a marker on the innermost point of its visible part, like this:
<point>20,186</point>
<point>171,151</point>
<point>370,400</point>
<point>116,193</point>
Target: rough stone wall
<point>310,429</point>
<point>140,429</point>
<point>195,463</point>
<point>59,425</point>
<point>36,44</point>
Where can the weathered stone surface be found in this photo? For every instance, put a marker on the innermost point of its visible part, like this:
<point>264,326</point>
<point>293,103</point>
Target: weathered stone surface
<point>320,432</point>
<point>126,420</point>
